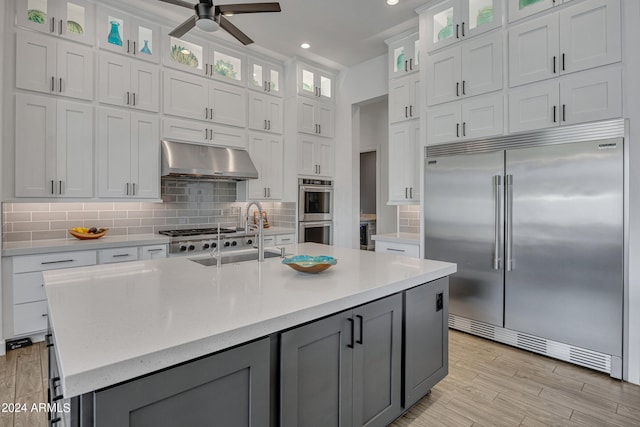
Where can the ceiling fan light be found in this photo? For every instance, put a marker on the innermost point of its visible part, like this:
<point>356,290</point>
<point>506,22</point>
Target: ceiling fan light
<point>392,2</point>
<point>208,25</point>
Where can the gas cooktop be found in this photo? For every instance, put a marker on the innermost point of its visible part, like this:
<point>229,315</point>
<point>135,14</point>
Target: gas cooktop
<point>198,231</point>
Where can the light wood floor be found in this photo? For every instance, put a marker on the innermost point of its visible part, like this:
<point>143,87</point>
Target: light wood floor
<point>489,384</point>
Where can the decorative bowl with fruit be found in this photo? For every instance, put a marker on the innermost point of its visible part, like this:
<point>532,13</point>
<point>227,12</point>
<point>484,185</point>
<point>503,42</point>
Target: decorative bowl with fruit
<point>84,233</point>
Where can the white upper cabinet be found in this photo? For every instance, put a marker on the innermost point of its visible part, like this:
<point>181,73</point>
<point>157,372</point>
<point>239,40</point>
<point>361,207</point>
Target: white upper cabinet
<point>589,96</point>
<point>316,156</point>
<point>54,148</point>
<point>265,77</point>
<point>473,118</point>
<point>71,19</point>
<point>265,113</point>
<point>579,37</point>
<point>44,64</point>
<point>404,157</point>
<point>128,83</point>
<point>201,99</point>
<point>128,154</point>
<point>193,131</point>
<point>404,56</point>
<point>454,20</point>
<point>315,83</point>
<point>129,35</point>
<point>227,65</point>
<point>472,68</point>
<point>267,154</point>
<point>404,96</point>
<point>315,117</point>
<point>523,8</point>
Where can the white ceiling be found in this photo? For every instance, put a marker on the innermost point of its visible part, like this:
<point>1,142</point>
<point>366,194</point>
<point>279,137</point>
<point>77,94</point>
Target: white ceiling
<point>342,33</point>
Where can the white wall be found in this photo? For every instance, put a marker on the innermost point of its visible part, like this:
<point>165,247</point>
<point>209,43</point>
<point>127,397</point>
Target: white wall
<point>631,108</point>
<point>354,85</point>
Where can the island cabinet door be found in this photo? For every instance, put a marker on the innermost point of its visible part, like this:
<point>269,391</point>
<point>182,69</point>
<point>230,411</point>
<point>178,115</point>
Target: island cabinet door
<point>377,362</point>
<point>316,373</point>
<point>227,389</point>
<point>426,339</point>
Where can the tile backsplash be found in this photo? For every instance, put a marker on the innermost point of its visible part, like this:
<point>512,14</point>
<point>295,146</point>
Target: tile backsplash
<point>409,218</point>
<point>185,205</point>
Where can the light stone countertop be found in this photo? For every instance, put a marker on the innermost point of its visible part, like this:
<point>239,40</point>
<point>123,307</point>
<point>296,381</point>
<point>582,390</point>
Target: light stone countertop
<point>115,322</point>
<point>409,238</point>
<point>33,247</point>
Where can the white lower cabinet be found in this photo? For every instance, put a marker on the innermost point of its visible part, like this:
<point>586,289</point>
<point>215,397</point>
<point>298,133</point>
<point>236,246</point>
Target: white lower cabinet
<point>153,252</point>
<point>402,249</point>
<point>404,155</point>
<point>108,256</point>
<point>54,148</point>
<point>472,118</point>
<point>582,97</point>
<point>315,156</point>
<point>128,154</point>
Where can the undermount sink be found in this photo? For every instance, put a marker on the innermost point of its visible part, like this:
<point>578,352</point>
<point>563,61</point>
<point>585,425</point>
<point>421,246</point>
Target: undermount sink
<point>234,257</point>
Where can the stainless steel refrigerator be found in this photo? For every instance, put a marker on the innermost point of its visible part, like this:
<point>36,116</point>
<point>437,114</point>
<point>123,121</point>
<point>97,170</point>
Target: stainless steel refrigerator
<point>535,224</point>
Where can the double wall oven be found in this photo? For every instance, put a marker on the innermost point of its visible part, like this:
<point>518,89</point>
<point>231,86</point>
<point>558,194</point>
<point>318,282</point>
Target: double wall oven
<point>315,211</point>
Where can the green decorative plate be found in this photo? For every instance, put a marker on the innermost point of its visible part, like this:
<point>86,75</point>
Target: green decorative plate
<point>310,263</point>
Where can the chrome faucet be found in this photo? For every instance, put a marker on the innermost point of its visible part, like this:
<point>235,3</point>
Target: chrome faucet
<point>217,251</point>
<point>260,228</point>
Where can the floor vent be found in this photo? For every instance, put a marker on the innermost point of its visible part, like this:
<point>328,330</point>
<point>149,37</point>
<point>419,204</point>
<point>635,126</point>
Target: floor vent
<point>531,343</point>
<point>576,355</point>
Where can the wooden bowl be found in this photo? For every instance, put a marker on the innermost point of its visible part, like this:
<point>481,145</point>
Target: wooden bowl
<point>309,263</point>
<point>87,236</point>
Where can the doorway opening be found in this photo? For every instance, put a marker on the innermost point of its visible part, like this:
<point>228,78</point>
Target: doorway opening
<point>368,199</point>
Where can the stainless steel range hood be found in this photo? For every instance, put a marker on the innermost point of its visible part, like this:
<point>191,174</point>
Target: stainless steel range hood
<point>183,160</point>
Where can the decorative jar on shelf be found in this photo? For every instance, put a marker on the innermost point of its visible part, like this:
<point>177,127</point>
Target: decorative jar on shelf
<point>114,34</point>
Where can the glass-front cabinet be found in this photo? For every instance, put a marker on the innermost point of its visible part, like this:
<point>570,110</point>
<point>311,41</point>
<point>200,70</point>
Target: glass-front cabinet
<point>227,65</point>
<point>128,35</point>
<point>71,19</point>
<point>404,55</point>
<point>522,8</point>
<point>315,83</point>
<point>265,77</point>
<point>454,20</point>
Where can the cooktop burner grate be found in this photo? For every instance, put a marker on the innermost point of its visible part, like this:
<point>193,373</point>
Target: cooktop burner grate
<point>196,231</point>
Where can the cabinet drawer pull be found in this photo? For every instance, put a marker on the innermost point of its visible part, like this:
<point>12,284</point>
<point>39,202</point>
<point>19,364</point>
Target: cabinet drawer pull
<point>120,255</point>
<point>45,315</point>
<point>395,250</point>
<point>361,340</point>
<point>57,262</point>
<point>285,240</point>
<point>352,322</point>
<point>154,250</point>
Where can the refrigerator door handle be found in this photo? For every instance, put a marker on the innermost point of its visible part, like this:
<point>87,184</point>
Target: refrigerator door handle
<point>497,184</point>
<point>508,183</point>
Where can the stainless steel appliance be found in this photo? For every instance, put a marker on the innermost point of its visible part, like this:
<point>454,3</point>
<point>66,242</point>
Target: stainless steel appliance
<point>315,211</point>
<point>316,232</point>
<point>200,241</point>
<point>315,200</point>
<point>535,224</point>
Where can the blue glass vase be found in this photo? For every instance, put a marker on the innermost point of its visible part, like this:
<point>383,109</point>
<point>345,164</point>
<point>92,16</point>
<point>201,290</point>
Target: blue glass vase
<point>145,48</point>
<point>114,34</point>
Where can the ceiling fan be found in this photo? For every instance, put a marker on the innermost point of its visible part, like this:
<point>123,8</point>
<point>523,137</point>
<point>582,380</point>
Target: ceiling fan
<point>210,18</point>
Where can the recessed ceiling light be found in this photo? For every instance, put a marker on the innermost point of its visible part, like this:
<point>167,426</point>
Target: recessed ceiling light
<point>305,45</point>
<point>392,2</point>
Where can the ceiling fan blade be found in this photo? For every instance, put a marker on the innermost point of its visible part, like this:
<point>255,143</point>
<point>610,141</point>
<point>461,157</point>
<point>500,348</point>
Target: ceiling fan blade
<point>183,28</point>
<point>180,3</point>
<point>234,31</point>
<point>248,8</point>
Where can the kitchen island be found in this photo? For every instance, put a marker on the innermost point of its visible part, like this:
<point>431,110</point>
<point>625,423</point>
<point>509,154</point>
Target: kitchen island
<point>112,324</point>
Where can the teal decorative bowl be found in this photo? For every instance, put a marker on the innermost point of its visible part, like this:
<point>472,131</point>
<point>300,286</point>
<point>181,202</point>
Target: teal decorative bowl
<point>310,263</point>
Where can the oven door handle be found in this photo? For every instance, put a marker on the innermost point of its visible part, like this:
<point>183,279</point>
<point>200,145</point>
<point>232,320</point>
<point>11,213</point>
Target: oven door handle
<point>315,189</point>
<point>316,224</point>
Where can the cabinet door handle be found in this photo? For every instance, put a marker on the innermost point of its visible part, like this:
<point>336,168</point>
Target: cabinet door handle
<point>211,114</point>
<point>563,62</point>
<point>62,261</point>
<point>464,91</point>
<point>134,98</point>
<point>53,84</point>
<point>405,65</point>
<point>265,124</point>
<point>457,88</point>
<point>128,100</point>
<point>60,29</point>
<point>564,112</point>
<point>52,187</point>
<point>406,192</point>
<point>264,191</point>
<point>60,187</point>
<point>47,340</point>
<point>464,128</point>
<point>269,192</point>
<point>53,25</point>
<point>206,133</point>
<point>458,130</point>
<point>127,193</point>
<point>463,29</point>
<point>361,340</point>
<point>411,192</point>
<point>554,114</point>
<point>411,64</point>
<point>406,111</point>
<point>45,315</point>
<point>206,113</point>
<point>410,110</point>
<point>319,166</point>
<point>128,47</point>
<point>554,64</point>
<point>134,189</point>
<point>269,122</point>
<point>60,88</point>
<point>352,322</point>
<point>457,31</point>
<point>134,47</point>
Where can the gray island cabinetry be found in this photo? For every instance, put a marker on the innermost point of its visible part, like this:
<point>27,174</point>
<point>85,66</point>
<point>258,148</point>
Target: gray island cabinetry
<point>251,344</point>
